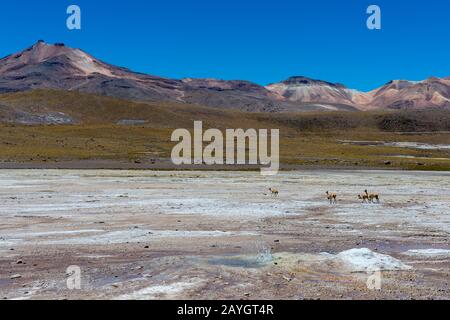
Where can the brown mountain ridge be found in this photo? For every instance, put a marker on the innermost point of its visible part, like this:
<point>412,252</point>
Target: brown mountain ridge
<point>47,66</point>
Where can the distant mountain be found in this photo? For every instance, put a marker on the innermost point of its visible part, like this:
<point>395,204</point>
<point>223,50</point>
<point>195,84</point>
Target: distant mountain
<point>306,90</point>
<point>402,94</point>
<point>46,66</point>
<point>243,95</point>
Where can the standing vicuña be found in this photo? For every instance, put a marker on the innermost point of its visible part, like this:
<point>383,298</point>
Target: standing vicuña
<point>372,196</point>
<point>332,197</point>
<point>364,197</point>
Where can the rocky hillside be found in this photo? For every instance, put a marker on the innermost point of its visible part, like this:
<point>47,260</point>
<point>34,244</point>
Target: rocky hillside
<point>56,66</point>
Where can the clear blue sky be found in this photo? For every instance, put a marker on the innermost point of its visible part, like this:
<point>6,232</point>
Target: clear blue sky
<point>258,40</point>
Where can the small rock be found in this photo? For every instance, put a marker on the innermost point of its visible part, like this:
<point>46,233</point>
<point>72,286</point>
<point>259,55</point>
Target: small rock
<point>19,262</point>
<point>15,276</point>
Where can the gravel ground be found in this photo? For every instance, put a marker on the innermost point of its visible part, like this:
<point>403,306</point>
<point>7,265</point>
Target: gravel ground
<point>210,235</point>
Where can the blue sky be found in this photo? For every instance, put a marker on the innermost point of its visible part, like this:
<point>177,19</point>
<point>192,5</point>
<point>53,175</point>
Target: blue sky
<point>258,40</point>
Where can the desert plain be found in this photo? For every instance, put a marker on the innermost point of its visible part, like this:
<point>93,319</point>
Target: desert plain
<point>142,234</point>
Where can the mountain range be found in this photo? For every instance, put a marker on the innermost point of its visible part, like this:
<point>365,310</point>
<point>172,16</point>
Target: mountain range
<point>56,66</point>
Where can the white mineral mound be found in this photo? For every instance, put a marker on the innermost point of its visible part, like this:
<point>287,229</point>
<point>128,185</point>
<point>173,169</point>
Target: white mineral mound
<point>365,260</point>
